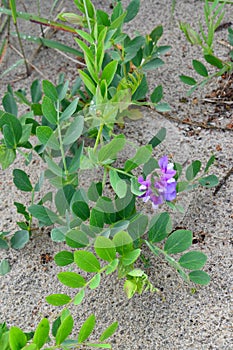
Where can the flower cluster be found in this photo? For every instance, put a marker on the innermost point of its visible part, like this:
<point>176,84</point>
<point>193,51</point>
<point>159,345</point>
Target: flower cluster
<point>160,187</point>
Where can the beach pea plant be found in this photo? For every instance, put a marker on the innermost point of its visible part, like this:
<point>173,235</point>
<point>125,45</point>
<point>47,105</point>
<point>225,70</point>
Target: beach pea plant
<point>107,204</point>
<point>56,335</point>
<point>205,38</point>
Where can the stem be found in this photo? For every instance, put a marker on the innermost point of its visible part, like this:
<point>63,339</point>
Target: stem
<point>98,136</point>
<point>60,142</point>
<point>109,167</point>
<point>157,251</point>
<point>28,68</point>
<point>87,16</point>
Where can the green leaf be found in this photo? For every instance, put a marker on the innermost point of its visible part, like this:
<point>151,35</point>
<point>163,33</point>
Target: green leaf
<point>86,261</point>
<point>110,150</point>
<point>188,80</point>
<point>192,170</point>
<point>95,281</point>
<point>79,297</point>
<point>130,288</point>
<point>36,93</point>
<point>200,68</point>
<point>19,239</point>
<point>156,33</point>
<point>13,12</point>
<point>9,104</point>
<point>41,333</point>
<point>46,136</point>
<point>86,328</point>
<point>71,279</point>
<point>142,155</point>
<point>157,94</point>
<point>74,131</point>
<point>81,210</point>
<point>193,260</point>
<point>58,299</point>
<point>45,216</point>
<point>130,257</point>
<point>199,277</point>
<point>94,191</point>
<point>17,339</point>
<point>105,248</point>
<point>209,181</point>
<point>7,156</point>
<point>3,244</point>
<point>136,273</point>
<point>4,267</point>
<point>132,10</point>
<point>64,258</point>
<point>214,61</point>
<point>162,107</point>
<point>69,111</point>
<point>76,239</point>
<point>160,227</point>
<point>14,126</point>
<point>209,163</point>
<point>109,72</point>
<point>58,234</point>
<point>64,330</point>
<point>108,332</point>
<point>123,242</point>
<point>154,63</point>
<point>158,138</point>
<point>21,180</point>
<point>118,185</point>
<point>178,241</point>
<point>50,90</point>
<point>112,266</point>
<point>49,111</point>
<point>97,218</point>
<point>88,82</point>
<point>137,226</point>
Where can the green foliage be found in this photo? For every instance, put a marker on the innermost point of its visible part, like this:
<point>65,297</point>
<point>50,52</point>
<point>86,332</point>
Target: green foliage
<point>73,130</point>
<point>213,14</point>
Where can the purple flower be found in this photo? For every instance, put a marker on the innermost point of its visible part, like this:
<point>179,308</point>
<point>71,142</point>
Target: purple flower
<point>160,187</point>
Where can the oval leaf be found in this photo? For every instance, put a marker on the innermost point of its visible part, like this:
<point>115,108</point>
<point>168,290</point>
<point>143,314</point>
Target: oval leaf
<point>76,239</point>
<point>21,180</point>
<point>109,331</point>
<point>71,279</point>
<point>105,248</point>
<point>192,170</point>
<point>17,339</point>
<point>200,68</point>
<point>79,297</point>
<point>209,181</point>
<point>178,241</point>
<point>64,330</point>
<point>58,299</point>
<point>199,277</point>
<point>19,239</point>
<point>95,281</point>
<point>193,260</point>
<point>41,333</point>
<point>86,261</point>
<point>86,328</point>
<point>64,258</point>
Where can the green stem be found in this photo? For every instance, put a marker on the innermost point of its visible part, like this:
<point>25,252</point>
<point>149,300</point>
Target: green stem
<point>109,167</point>
<point>157,251</point>
<point>60,142</point>
<point>87,16</point>
<point>98,137</point>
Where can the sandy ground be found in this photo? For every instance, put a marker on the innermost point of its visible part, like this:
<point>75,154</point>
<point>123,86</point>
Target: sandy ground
<point>184,320</point>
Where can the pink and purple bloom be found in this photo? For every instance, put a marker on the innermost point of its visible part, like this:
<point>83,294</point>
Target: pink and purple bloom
<point>161,186</point>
